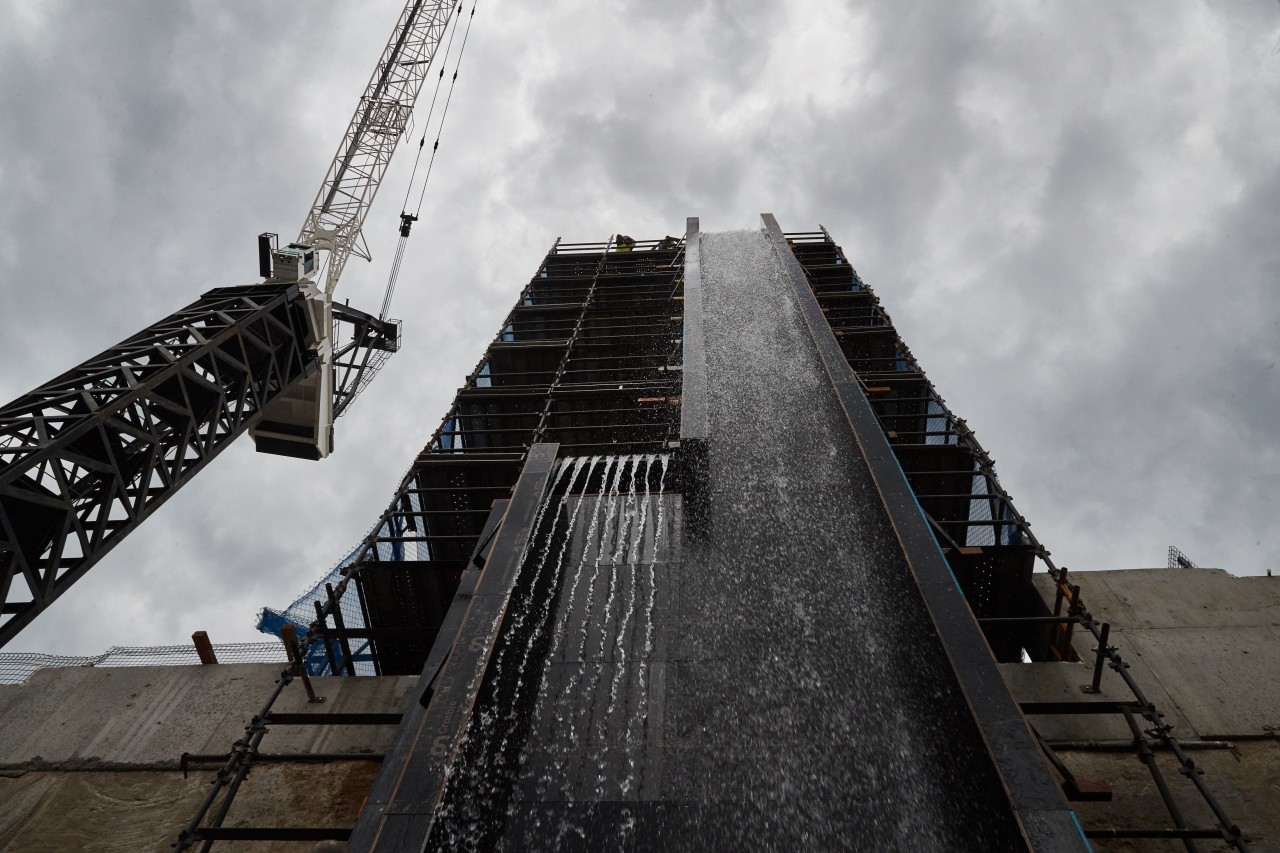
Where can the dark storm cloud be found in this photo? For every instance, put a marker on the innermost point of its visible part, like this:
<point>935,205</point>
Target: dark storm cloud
<point>1069,209</point>
<point>1185,398</point>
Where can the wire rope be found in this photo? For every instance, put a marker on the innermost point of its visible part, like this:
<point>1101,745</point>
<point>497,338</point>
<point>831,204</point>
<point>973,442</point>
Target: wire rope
<point>448,100</point>
<point>407,219</point>
<point>426,124</point>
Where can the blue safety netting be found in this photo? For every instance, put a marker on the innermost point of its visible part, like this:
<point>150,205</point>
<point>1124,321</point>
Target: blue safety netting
<point>388,546</point>
<point>302,612</point>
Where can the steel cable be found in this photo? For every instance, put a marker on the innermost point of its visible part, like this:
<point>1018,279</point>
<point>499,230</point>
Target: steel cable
<point>426,124</point>
<point>407,219</point>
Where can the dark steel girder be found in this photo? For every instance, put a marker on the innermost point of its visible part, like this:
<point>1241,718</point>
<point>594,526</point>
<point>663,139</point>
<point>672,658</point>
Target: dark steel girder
<point>85,458</point>
<point>359,354</point>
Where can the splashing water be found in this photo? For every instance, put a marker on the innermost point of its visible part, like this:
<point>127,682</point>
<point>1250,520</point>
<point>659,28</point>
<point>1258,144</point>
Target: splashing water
<point>584,602</point>
<point>805,702</point>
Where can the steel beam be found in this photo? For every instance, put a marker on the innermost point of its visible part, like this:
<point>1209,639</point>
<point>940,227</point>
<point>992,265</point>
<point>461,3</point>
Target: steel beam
<point>695,423</point>
<point>357,359</point>
<point>695,408</point>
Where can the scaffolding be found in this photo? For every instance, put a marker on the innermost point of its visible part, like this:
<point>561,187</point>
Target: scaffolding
<point>590,358</point>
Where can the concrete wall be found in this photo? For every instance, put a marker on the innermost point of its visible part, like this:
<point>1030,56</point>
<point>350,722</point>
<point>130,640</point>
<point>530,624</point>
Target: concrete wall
<point>89,757</point>
<point>1204,646</point>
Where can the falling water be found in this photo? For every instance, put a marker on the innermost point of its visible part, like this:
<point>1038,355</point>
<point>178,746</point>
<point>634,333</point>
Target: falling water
<point>800,699</point>
<point>632,546</point>
<point>584,597</point>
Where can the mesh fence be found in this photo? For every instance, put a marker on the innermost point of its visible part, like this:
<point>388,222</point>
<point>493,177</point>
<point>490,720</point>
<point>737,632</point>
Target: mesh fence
<point>15,667</point>
<point>302,613</point>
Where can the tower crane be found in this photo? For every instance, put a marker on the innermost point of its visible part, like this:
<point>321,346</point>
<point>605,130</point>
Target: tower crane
<point>86,457</point>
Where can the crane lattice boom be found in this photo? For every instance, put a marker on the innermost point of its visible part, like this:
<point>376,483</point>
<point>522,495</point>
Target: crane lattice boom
<point>352,181</point>
<point>301,423</point>
<point>87,457</point>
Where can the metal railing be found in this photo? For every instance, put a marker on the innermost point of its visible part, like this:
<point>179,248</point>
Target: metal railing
<point>16,667</point>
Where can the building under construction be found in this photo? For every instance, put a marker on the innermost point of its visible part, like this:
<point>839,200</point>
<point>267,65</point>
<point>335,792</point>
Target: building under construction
<point>698,558</point>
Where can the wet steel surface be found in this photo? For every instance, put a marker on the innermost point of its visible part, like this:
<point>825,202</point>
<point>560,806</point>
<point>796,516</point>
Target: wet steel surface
<point>762,675</point>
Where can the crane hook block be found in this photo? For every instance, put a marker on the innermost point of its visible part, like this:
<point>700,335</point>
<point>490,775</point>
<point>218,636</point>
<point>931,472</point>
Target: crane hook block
<point>406,222</point>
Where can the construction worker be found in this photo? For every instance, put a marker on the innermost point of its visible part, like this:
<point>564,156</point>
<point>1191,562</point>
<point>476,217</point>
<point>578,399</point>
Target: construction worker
<point>625,243</point>
<point>667,243</point>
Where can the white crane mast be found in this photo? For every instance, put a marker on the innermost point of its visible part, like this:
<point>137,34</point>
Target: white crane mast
<point>334,223</point>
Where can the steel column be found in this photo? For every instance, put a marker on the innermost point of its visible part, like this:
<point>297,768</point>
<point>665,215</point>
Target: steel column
<point>695,417</point>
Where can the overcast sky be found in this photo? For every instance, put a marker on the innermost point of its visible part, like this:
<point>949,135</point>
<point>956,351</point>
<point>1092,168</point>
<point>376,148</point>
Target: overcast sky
<point>1071,211</point>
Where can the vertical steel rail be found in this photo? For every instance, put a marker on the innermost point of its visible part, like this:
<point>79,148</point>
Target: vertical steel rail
<point>322,631</point>
<point>695,423</point>
<point>343,642</point>
<point>695,408</point>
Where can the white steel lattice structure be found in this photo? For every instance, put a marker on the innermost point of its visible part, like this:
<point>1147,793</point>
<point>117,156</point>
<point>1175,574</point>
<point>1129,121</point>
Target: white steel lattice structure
<point>301,423</point>
<point>335,220</point>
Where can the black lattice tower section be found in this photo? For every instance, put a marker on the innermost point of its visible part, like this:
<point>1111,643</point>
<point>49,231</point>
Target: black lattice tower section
<point>84,459</point>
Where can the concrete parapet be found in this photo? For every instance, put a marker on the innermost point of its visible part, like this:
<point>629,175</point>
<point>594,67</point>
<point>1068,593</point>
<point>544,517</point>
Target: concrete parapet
<point>151,715</point>
<point>1204,646</point>
<point>89,757</point>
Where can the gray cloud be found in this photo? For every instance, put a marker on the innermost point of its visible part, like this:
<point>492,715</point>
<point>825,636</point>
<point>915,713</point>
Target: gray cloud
<point>1069,210</point>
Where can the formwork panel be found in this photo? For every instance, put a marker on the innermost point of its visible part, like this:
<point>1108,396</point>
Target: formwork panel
<point>406,602</point>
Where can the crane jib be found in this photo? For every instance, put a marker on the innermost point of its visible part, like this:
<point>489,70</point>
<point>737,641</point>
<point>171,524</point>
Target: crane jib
<point>301,423</point>
<point>87,457</point>
<point>373,99</point>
